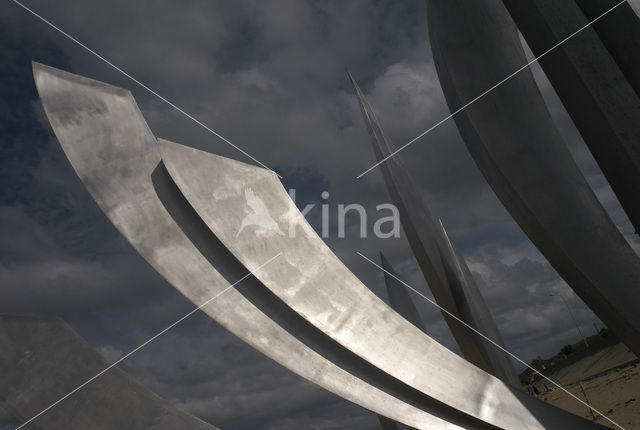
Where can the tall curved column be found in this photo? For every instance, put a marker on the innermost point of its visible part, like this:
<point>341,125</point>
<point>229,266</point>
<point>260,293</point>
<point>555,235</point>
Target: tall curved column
<point>114,153</point>
<point>513,140</point>
<point>250,212</point>
<point>596,93</point>
<point>42,359</point>
<point>452,287</point>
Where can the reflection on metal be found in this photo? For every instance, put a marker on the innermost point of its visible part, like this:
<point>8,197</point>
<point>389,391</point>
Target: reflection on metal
<point>592,87</point>
<point>314,283</point>
<point>516,145</point>
<point>42,359</point>
<point>114,153</point>
<point>399,297</point>
<point>401,302</point>
<point>305,310</point>
<point>445,271</point>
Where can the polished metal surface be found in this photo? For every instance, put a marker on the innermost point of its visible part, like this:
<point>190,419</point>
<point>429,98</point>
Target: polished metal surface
<point>513,140</point>
<point>445,271</point>
<point>115,154</point>
<point>595,91</point>
<point>313,282</point>
<point>401,302</point>
<point>42,359</point>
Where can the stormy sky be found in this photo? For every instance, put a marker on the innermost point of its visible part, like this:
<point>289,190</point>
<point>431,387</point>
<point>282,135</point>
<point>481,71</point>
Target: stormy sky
<point>270,76</point>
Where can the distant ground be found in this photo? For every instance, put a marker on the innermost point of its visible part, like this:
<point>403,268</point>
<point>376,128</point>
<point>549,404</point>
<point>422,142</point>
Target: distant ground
<point>611,379</point>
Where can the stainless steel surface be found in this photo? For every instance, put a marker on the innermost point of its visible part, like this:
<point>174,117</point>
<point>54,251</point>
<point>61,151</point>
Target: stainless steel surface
<point>476,309</point>
<point>42,359</point>
<point>516,145</point>
<point>114,153</point>
<point>401,302</point>
<point>310,279</point>
<point>446,272</point>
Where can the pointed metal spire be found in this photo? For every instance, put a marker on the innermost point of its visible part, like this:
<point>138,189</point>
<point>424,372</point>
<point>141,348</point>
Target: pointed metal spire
<point>399,298</point>
<point>442,269</point>
<point>476,310</point>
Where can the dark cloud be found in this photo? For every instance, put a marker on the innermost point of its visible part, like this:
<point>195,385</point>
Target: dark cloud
<point>269,76</point>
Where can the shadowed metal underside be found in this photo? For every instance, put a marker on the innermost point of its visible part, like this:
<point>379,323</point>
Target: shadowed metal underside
<point>515,143</point>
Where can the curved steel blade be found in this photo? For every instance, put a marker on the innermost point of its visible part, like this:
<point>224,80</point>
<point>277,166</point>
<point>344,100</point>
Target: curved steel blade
<point>251,213</point>
<point>113,151</point>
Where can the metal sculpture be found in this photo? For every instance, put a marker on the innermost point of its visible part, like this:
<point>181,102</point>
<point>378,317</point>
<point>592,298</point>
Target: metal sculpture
<point>304,309</point>
<point>43,359</point>
<point>513,140</point>
<point>113,151</point>
<point>399,298</point>
<point>315,284</point>
<point>452,286</point>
